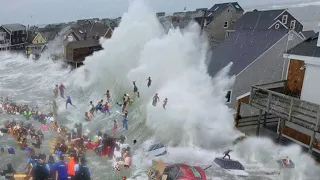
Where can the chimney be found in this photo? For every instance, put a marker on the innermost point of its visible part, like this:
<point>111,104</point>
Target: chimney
<point>318,42</point>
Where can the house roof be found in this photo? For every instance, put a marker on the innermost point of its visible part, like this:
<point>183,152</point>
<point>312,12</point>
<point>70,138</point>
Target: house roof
<point>307,34</point>
<point>96,29</point>
<point>219,8</point>
<point>14,27</point>
<point>256,19</point>
<point>242,48</point>
<point>83,43</point>
<point>307,47</point>
<point>49,35</point>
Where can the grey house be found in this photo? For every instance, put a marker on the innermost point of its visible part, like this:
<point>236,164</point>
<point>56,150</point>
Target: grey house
<point>219,18</point>
<point>255,47</point>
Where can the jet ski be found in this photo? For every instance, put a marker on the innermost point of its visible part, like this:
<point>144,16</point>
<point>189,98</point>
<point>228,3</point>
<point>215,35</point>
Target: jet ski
<point>286,163</point>
<point>157,150</point>
<point>231,166</point>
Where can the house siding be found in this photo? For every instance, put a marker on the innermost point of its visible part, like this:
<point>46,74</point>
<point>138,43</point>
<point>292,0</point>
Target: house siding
<point>267,68</point>
<point>39,39</point>
<point>298,27</point>
<point>215,29</point>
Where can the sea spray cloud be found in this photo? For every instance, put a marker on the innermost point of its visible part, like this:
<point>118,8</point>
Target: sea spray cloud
<point>196,112</point>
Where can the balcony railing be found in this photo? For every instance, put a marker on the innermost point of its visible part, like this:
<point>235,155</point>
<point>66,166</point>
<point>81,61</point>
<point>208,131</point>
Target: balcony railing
<point>294,110</point>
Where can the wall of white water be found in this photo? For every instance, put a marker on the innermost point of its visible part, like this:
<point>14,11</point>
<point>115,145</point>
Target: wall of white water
<point>196,119</point>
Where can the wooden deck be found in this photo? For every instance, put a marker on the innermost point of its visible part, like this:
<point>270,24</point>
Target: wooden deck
<point>294,110</point>
<point>288,108</point>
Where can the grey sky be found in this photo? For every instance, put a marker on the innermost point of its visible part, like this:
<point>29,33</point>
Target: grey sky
<point>54,11</point>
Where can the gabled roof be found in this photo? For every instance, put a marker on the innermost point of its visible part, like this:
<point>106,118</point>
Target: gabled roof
<point>83,43</point>
<point>307,34</point>
<point>49,35</point>
<point>219,8</point>
<point>242,48</point>
<point>307,47</point>
<point>256,19</point>
<point>14,27</point>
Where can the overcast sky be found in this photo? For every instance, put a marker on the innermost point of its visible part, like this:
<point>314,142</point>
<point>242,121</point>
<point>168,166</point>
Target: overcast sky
<point>55,11</point>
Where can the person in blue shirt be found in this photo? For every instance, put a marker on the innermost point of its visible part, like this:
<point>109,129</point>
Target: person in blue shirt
<point>51,165</point>
<point>61,169</point>
<point>41,170</point>
<point>82,172</point>
<point>69,102</point>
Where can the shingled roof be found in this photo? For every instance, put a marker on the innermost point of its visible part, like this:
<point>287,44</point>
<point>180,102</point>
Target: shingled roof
<point>14,27</point>
<point>307,47</point>
<point>256,19</point>
<point>307,34</point>
<point>242,48</point>
<point>96,29</point>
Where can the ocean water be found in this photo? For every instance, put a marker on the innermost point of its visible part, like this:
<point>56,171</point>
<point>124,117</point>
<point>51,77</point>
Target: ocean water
<point>197,126</point>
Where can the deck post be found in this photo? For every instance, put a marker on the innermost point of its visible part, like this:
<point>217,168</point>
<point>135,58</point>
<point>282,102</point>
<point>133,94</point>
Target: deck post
<point>315,129</point>
<point>265,119</point>
<point>282,125</point>
<point>251,95</point>
<point>237,115</point>
<point>259,122</point>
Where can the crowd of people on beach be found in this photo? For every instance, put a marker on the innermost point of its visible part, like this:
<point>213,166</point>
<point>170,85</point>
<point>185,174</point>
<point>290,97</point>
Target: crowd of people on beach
<point>70,144</point>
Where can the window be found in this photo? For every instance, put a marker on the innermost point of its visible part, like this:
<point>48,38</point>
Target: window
<point>284,19</point>
<point>225,24</point>
<point>277,26</point>
<point>173,172</point>
<point>228,96</point>
<point>195,172</point>
<point>292,24</point>
<point>23,32</point>
<point>22,39</point>
<point>13,40</point>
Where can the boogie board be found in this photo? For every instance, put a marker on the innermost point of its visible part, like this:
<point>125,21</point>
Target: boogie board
<point>157,168</point>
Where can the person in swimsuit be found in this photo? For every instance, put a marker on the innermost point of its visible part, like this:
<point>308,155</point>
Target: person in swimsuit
<point>149,81</point>
<point>165,103</point>
<point>69,102</point>
<point>108,96</point>
<point>135,88</point>
<point>92,108</point>
<point>62,88</point>
<point>155,99</point>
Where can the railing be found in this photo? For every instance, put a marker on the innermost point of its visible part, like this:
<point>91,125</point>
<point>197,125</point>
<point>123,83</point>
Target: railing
<point>272,85</point>
<point>303,113</point>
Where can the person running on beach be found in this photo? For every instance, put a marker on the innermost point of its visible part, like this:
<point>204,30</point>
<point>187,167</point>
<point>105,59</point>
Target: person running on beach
<point>165,103</point>
<point>69,102</point>
<point>62,88</point>
<point>108,95</point>
<point>155,99</point>
<point>56,91</point>
<point>149,81</point>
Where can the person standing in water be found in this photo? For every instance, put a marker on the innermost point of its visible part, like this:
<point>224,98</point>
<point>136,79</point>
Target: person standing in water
<point>135,88</point>
<point>155,99</point>
<point>165,103</point>
<point>149,81</point>
<point>108,96</point>
<point>69,102</point>
<point>115,127</point>
<point>56,91</point>
<point>125,120</point>
<point>62,88</point>
<point>92,108</point>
